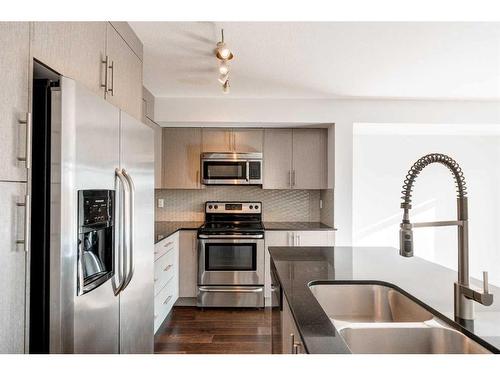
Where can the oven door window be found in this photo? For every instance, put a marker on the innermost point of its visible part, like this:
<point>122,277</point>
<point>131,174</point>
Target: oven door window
<point>231,257</point>
<point>225,170</point>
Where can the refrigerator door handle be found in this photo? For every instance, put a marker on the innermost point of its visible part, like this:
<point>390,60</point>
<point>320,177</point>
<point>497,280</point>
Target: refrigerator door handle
<point>130,256</point>
<point>121,244</point>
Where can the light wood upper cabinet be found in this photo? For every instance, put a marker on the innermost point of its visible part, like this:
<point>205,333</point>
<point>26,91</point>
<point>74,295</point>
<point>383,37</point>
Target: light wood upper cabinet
<point>295,158</point>
<point>248,140</point>
<point>217,140</point>
<point>232,140</point>
<point>73,49</point>
<point>181,149</point>
<point>277,159</point>
<point>124,74</point>
<point>15,76</point>
<point>310,159</point>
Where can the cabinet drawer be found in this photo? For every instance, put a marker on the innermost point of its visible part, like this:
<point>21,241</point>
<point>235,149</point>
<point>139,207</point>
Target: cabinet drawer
<point>165,245</point>
<point>164,301</point>
<point>165,268</point>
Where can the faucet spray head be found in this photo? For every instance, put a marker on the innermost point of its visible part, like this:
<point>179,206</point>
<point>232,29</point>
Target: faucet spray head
<point>405,240</point>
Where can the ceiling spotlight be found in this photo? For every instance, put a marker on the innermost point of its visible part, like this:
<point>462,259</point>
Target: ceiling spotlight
<point>222,51</point>
<point>224,67</point>
<point>225,87</point>
<point>223,78</point>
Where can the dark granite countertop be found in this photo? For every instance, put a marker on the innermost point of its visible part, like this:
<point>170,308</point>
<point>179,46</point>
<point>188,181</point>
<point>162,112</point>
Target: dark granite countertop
<point>429,283</point>
<point>295,225</point>
<point>163,229</point>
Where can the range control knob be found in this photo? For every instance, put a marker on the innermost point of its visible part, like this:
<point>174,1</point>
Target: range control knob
<point>216,207</point>
<point>210,206</point>
<point>256,207</point>
<point>251,207</point>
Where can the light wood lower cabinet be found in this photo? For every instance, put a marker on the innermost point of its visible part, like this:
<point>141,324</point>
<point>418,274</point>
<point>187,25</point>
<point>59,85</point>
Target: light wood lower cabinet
<point>291,341</point>
<point>166,277</point>
<point>188,264</point>
<point>15,76</point>
<point>292,238</point>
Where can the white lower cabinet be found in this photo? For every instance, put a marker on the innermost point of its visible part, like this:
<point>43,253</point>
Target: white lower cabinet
<point>166,277</point>
<point>188,263</point>
<point>292,238</point>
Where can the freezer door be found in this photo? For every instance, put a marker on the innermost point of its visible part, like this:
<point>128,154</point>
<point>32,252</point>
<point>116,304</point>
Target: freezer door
<point>136,300</point>
<point>86,141</point>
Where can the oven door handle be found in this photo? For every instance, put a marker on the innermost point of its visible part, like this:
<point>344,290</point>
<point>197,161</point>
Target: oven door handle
<point>231,290</point>
<point>230,236</point>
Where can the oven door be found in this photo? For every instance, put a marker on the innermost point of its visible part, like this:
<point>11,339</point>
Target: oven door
<point>225,172</point>
<point>231,261</point>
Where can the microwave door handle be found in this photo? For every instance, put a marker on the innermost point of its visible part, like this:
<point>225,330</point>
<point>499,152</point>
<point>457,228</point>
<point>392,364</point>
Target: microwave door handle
<point>120,244</point>
<point>130,256</point>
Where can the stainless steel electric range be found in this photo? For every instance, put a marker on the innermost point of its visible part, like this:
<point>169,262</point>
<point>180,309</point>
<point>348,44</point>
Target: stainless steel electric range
<point>231,255</point>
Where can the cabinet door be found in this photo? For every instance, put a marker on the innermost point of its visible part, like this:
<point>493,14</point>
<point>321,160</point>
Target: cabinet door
<point>277,158</point>
<point>272,238</point>
<point>217,140</point>
<point>248,140</point>
<point>12,277</point>
<point>14,60</point>
<point>124,75</point>
<point>314,238</point>
<point>73,49</point>
<point>292,343</point>
<point>310,159</point>
<point>188,264</point>
<point>181,158</point>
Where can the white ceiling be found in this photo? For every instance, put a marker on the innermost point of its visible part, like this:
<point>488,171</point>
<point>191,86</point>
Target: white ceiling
<point>324,60</point>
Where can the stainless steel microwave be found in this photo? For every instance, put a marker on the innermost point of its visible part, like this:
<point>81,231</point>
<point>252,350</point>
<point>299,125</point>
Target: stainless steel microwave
<point>231,168</point>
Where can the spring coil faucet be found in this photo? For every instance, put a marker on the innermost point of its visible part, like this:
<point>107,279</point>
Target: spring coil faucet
<point>464,294</point>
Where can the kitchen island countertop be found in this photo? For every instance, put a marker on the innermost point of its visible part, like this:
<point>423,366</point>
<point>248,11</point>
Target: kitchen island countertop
<point>428,282</point>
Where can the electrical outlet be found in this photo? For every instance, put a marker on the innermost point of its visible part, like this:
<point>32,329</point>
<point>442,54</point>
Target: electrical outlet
<point>161,203</point>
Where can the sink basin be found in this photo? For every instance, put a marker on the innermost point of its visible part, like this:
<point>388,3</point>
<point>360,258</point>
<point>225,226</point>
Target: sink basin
<point>409,340</point>
<point>374,318</point>
<point>367,303</point>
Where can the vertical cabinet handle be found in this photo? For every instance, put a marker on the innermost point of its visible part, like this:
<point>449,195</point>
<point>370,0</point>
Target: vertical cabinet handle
<point>27,223</point>
<point>289,178</point>
<point>112,68</point>
<point>106,64</point>
<point>27,150</point>
<point>296,348</point>
<point>293,178</point>
<point>292,346</point>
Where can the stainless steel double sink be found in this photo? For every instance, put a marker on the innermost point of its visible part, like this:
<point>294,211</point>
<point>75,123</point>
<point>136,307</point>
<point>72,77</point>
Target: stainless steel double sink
<point>377,319</point>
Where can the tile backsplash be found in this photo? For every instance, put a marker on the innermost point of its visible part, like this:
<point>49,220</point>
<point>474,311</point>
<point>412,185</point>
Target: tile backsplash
<point>278,205</point>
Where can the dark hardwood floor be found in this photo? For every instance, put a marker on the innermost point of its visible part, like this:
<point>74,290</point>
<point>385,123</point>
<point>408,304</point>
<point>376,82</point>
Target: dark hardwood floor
<point>191,330</point>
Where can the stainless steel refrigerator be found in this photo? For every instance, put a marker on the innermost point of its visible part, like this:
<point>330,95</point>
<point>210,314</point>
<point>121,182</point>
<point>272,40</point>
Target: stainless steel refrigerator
<point>94,146</point>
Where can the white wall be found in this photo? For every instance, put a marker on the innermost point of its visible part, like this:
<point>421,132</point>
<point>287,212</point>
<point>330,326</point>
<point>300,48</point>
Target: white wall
<point>382,156</point>
<point>343,112</point>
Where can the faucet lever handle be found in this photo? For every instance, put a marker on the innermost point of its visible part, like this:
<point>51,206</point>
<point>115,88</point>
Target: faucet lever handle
<point>485,282</point>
